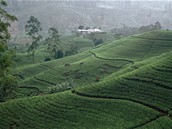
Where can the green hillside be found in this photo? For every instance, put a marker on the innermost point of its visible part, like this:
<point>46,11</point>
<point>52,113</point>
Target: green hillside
<point>149,84</point>
<point>107,104</point>
<point>66,110</point>
<point>92,65</point>
<point>133,48</point>
<point>22,58</point>
<point>157,35</point>
<point>124,84</point>
<point>81,43</point>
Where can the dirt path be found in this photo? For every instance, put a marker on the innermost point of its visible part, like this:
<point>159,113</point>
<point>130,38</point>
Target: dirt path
<point>129,61</point>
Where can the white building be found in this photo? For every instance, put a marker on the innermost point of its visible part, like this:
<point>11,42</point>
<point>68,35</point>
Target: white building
<point>89,31</point>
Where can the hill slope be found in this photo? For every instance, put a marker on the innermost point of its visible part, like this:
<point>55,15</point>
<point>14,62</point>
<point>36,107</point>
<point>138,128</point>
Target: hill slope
<point>123,102</point>
<point>92,65</point>
<point>136,93</point>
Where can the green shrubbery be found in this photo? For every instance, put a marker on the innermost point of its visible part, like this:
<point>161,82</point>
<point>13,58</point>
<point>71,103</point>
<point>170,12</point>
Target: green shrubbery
<point>8,87</point>
<point>145,85</point>
<point>97,41</point>
<point>67,85</point>
<point>8,83</point>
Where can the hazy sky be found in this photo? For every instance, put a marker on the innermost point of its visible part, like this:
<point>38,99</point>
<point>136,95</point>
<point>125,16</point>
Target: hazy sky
<point>103,0</point>
<point>92,0</point>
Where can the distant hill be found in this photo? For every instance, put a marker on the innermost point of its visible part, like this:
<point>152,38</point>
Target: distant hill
<point>68,15</point>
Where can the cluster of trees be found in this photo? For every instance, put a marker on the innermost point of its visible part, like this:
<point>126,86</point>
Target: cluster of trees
<point>151,27</point>
<point>81,27</point>
<point>8,83</point>
<point>67,85</point>
<point>33,29</point>
<point>126,31</point>
<point>97,41</point>
<point>54,46</point>
<point>72,50</point>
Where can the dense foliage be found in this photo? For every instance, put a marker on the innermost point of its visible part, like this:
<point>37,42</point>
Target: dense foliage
<point>8,84</point>
<point>33,28</point>
<point>53,41</point>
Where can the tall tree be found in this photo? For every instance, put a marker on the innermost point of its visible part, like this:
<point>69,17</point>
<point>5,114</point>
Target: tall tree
<point>33,29</point>
<point>158,26</point>
<point>53,41</point>
<point>81,27</point>
<point>8,83</point>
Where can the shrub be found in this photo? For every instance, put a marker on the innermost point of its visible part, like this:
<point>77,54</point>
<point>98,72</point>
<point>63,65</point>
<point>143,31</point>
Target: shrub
<point>67,85</point>
<point>97,79</point>
<point>58,54</point>
<point>47,59</point>
<point>118,36</point>
<point>8,87</point>
<point>97,41</point>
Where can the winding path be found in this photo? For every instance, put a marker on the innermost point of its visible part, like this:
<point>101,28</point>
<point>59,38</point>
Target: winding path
<point>102,58</point>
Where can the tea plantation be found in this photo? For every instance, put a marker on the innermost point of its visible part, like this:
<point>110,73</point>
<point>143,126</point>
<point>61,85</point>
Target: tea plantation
<point>123,84</point>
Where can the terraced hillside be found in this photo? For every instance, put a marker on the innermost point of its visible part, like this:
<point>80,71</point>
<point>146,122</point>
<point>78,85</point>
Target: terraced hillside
<point>67,110</point>
<point>81,43</point>
<point>134,90</point>
<point>91,66</point>
<point>129,101</point>
<point>134,48</point>
<point>149,85</point>
<point>83,69</point>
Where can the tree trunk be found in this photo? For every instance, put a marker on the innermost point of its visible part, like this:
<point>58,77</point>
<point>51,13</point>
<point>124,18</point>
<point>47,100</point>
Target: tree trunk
<point>33,57</point>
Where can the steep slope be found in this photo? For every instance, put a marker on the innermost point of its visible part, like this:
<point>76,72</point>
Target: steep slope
<point>95,64</point>
<point>135,48</point>
<point>81,43</point>
<point>149,85</point>
<point>135,95</point>
<point>66,110</point>
<point>137,99</point>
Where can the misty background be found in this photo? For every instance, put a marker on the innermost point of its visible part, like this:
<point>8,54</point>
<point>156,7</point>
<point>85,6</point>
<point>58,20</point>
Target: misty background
<point>68,15</point>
